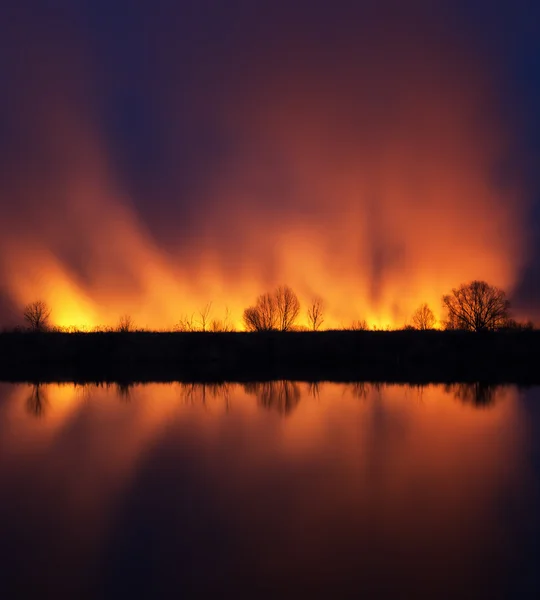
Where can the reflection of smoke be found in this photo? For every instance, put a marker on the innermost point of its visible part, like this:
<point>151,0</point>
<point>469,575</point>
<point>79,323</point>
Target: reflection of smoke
<point>357,165</point>
<point>478,394</point>
<point>282,396</point>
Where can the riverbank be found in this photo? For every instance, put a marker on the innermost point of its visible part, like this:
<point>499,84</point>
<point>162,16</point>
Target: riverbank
<point>423,356</point>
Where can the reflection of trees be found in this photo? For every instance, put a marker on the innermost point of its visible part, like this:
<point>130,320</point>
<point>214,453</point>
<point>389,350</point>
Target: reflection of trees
<point>37,401</point>
<point>192,393</point>
<point>282,396</point>
<point>419,389</point>
<point>314,389</point>
<point>478,394</point>
<point>360,389</point>
<point>123,391</point>
<point>84,390</point>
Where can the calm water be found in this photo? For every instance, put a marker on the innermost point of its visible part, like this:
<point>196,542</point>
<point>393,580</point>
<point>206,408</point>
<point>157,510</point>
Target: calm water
<point>281,490</point>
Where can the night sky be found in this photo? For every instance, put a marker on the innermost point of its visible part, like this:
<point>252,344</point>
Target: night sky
<point>158,155</point>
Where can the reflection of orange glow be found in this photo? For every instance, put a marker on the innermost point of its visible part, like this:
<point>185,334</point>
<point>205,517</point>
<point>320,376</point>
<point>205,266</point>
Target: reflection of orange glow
<point>352,471</point>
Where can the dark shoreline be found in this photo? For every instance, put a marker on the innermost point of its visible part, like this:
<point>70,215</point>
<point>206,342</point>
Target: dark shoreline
<point>390,356</point>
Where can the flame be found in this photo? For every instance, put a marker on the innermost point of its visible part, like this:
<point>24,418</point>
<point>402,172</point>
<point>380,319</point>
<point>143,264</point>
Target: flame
<point>366,177</point>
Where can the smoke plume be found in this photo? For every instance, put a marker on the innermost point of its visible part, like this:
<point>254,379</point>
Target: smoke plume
<point>352,153</point>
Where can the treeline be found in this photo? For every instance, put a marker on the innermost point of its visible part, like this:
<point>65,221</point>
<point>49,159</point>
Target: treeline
<point>475,306</point>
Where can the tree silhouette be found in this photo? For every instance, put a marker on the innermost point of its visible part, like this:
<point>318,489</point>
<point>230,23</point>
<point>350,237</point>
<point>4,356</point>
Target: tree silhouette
<point>288,307</point>
<point>37,315</point>
<point>315,313</point>
<point>423,318</point>
<point>204,315</point>
<point>278,310</point>
<point>476,306</point>
<point>263,316</point>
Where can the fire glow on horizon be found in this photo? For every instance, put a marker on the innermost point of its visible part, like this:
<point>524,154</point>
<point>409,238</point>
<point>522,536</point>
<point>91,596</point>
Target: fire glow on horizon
<point>367,178</point>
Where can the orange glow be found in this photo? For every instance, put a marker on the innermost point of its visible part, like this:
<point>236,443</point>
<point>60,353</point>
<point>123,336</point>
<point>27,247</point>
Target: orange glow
<point>384,198</point>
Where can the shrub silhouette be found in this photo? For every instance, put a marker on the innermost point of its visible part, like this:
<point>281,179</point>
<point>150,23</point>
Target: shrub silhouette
<point>186,323</point>
<point>125,324</point>
<point>359,325</point>
<point>513,325</point>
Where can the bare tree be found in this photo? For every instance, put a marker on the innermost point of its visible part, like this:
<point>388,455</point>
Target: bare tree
<point>476,306</point>
<point>423,318</point>
<point>125,324</point>
<point>204,314</point>
<point>288,307</point>
<point>227,324</point>
<point>278,310</point>
<point>37,315</point>
<point>315,313</point>
<point>263,316</point>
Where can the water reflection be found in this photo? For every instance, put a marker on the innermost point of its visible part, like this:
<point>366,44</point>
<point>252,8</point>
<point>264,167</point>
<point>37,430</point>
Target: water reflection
<point>37,401</point>
<point>191,393</point>
<point>363,390</point>
<point>277,489</point>
<point>478,394</point>
<point>123,391</point>
<point>282,396</point>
